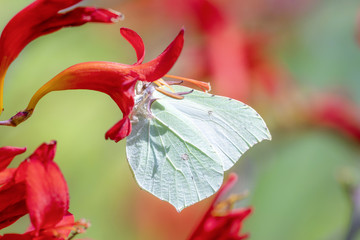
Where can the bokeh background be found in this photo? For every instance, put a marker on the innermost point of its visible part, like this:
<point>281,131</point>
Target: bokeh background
<point>289,59</point>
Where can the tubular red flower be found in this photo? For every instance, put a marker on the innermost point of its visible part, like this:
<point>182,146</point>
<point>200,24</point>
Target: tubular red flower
<point>221,225</point>
<point>115,79</point>
<point>40,18</point>
<point>36,187</point>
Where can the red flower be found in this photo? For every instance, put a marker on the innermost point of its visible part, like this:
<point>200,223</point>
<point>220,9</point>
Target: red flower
<point>336,112</point>
<point>220,222</point>
<point>222,50</point>
<point>115,79</point>
<point>40,18</point>
<point>36,187</point>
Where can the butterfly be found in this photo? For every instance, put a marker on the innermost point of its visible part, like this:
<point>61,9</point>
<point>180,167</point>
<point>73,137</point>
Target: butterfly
<point>179,149</point>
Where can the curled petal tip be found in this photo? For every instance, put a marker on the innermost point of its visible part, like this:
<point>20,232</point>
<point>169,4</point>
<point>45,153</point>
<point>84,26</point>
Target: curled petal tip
<point>115,15</point>
<point>120,130</point>
<point>181,33</point>
<point>129,34</point>
<point>158,67</point>
<point>123,30</point>
<point>118,16</point>
<point>249,210</point>
<point>233,177</point>
<point>135,40</point>
<point>16,150</point>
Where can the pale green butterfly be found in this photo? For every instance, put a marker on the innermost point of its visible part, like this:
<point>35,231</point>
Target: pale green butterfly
<point>179,149</point>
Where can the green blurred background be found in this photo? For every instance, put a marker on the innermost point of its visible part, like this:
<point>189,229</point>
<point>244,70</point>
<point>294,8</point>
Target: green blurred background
<point>294,181</point>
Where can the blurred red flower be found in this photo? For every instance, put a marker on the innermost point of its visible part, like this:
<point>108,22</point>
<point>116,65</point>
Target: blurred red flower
<point>222,47</point>
<point>36,187</point>
<point>337,112</point>
<point>220,221</point>
<point>40,18</point>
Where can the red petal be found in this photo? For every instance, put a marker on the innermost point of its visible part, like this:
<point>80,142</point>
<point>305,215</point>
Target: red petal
<point>240,213</point>
<point>12,204</point>
<point>14,236</point>
<point>230,182</point>
<point>45,152</point>
<point>221,227</point>
<point>7,175</point>
<point>11,194</point>
<point>68,220</point>
<point>135,40</point>
<point>120,130</point>
<point>227,62</point>
<point>7,154</point>
<point>63,228</point>
<point>209,16</point>
<point>337,112</point>
<point>158,67</point>
<point>80,16</point>
<point>53,6</point>
<point>12,214</point>
<point>47,193</point>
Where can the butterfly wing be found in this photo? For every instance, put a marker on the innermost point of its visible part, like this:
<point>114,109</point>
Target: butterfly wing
<point>230,126</point>
<point>171,160</point>
<point>180,153</point>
